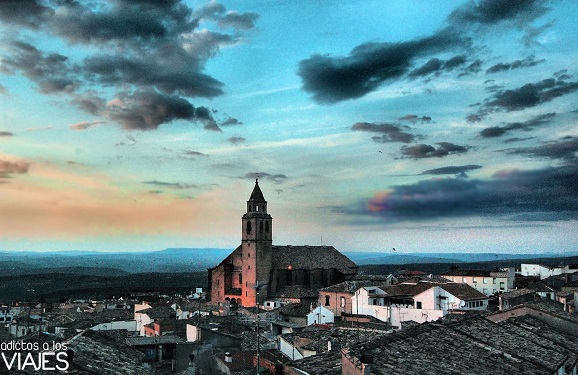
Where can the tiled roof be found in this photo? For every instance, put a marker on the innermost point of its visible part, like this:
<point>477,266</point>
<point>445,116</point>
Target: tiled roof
<point>406,290</point>
<point>296,309</point>
<point>105,353</point>
<point>294,291</point>
<point>349,286</point>
<point>463,291</point>
<point>474,346</point>
<point>516,293</point>
<point>312,257</point>
<point>241,360</point>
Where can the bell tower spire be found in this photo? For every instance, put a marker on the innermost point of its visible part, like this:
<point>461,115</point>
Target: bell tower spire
<point>257,239</point>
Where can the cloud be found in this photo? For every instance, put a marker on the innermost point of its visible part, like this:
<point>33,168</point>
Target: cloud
<point>368,66</point>
<point>275,178</point>
<point>414,118</point>
<point>128,45</point>
<point>237,20</point>
<point>231,121</point>
<point>389,132</point>
<point>452,169</point>
<point>236,140</point>
<point>566,149</point>
<point>5,134</point>
<point>28,13</point>
<point>545,194</point>
<point>8,167</point>
<point>146,110</point>
<point>84,125</point>
<point>516,64</point>
<point>489,12</point>
<point>497,131</point>
<point>527,96</point>
<point>193,153</point>
<point>436,66</point>
<point>51,72</point>
<point>172,185</point>
<point>421,150</point>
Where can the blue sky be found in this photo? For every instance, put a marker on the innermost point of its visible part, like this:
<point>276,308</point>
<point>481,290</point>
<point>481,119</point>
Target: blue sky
<point>421,126</point>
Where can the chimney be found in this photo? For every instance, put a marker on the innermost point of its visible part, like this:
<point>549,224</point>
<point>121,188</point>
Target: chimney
<point>366,362</point>
<point>228,357</point>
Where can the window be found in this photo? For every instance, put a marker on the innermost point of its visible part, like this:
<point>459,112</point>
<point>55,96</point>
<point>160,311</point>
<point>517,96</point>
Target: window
<point>326,300</point>
<point>240,278</point>
<point>250,208</point>
<point>342,301</point>
<point>485,280</point>
<point>261,226</point>
<point>267,226</point>
<point>502,286</point>
<point>418,305</point>
<point>248,227</point>
<point>475,280</point>
<point>257,208</point>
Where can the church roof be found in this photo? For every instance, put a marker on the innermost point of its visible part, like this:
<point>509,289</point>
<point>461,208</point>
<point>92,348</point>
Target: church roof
<point>311,257</point>
<point>257,194</point>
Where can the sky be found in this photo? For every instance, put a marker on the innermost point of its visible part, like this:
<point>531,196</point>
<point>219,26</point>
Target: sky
<point>386,126</point>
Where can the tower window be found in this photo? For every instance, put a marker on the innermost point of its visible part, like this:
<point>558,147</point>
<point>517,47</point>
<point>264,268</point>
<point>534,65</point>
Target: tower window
<point>248,227</point>
<point>257,208</point>
<point>240,278</point>
<point>327,301</point>
<point>263,208</point>
<point>250,208</point>
<point>267,226</point>
<point>261,226</point>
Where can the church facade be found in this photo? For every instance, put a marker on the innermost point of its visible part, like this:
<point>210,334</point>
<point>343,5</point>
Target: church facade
<point>257,269</point>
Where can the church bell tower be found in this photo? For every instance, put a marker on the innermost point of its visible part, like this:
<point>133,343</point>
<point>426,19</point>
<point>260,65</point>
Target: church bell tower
<point>257,240</point>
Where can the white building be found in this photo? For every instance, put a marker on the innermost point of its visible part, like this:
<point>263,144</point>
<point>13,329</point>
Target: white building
<point>487,282</point>
<point>419,302</point>
<point>544,272</point>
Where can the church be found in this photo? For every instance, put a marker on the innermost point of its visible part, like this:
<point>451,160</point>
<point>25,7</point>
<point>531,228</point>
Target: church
<point>259,269</point>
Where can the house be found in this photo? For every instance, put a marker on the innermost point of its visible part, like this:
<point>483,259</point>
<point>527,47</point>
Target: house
<point>545,271</point>
<point>487,282</point>
<point>419,302</point>
<point>257,270</point>
<point>516,297</point>
<point>303,314</point>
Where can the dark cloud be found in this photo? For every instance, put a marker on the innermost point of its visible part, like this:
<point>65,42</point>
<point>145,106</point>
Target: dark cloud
<point>488,12</point>
<point>473,68</point>
<point>236,140</point>
<point>527,96</point>
<point>51,72</point>
<point>5,134</point>
<point>275,178</point>
<point>546,194</point>
<point>415,118</point>
<point>566,149</point>
<point>421,150</point>
<point>436,66</point>
<point>146,110</point>
<point>368,66</point>
<point>132,45</point>
<point>516,64</point>
<point>497,131</point>
<point>27,13</point>
<point>389,132</point>
<point>231,121</point>
<point>237,20</point>
<point>452,169</point>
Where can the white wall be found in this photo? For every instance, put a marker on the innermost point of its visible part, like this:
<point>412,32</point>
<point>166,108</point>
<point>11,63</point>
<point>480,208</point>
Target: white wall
<point>193,333</point>
<point>320,315</point>
<point>288,349</point>
<point>129,325</point>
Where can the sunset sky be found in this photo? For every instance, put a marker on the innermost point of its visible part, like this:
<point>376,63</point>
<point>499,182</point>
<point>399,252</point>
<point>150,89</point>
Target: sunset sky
<point>423,126</point>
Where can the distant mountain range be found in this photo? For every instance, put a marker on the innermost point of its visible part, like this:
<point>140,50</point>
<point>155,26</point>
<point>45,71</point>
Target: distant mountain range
<point>199,259</point>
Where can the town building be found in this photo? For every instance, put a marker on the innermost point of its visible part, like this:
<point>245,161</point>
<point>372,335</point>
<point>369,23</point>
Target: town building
<point>487,282</point>
<point>257,270</point>
<point>544,271</point>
